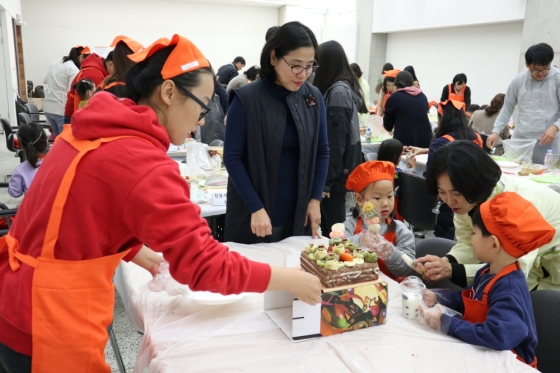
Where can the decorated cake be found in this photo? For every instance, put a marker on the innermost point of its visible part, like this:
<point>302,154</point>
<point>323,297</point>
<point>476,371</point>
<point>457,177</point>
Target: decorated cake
<point>341,263</point>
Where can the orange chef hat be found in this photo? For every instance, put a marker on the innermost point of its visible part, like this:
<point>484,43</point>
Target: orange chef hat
<point>368,173</point>
<point>517,223</point>
<point>391,73</point>
<point>458,105</point>
<point>184,58</point>
<point>132,44</point>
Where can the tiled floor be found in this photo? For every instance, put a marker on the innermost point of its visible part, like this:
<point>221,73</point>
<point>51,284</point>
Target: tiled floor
<point>128,338</point>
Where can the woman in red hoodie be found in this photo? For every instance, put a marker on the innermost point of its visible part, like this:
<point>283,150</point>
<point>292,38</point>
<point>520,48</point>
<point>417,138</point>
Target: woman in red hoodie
<point>94,203</point>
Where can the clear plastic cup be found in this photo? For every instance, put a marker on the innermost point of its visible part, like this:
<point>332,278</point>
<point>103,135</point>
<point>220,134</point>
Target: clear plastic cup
<point>411,288</point>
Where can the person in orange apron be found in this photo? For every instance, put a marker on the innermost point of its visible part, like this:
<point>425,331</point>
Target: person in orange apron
<point>106,187</point>
<point>457,90</point>
<point>386,91</point>
<point>497,309</point>
<point>115,82</point>
<point>373,182</point>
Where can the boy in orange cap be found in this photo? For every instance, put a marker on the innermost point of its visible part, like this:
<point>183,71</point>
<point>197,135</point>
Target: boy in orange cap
<point>372,183</point>
<point>497,310</point>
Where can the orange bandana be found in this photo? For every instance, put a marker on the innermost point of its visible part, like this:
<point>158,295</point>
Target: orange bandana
<point>184,58</point>
<point>132,44</point>
<point>458,105</point>
<point>368,173</point>
<point>391,73</point>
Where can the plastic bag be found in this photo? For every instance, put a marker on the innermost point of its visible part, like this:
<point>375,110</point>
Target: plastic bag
<point>217,179</point>
<point>519,150</point>
<point>375,122</point>
<point>198,160</point>
<point>164,282</point>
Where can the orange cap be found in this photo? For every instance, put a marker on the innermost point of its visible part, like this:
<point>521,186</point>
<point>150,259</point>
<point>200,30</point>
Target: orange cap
<point>84,50</point>
<point>517,223</point>
<point>368,173</point>
<point>184,58</point>
<point>391,73</point>
<point>132,44</point>
<point>458,105</point>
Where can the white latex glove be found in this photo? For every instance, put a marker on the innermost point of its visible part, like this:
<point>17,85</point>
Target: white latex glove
<point>374,241</point>
<point>431,317</point>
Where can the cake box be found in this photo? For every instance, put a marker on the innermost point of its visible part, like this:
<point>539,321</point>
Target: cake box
<point>343,309</point>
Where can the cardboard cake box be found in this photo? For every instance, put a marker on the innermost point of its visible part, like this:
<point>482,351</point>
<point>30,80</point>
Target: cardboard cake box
<point>343,309</point>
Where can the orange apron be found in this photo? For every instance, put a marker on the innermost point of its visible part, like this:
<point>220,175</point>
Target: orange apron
<point>477,310</point>
<point>390,236</point>
<point>104,87</point>
<point>72,301</point>
<point>454,96</point>
<point>478,140</point>
<point>385,97</point>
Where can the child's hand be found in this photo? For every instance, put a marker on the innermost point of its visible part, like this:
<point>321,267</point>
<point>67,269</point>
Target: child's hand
<point>411,162</point>
<point>431,316</point>
<point>429,297</point>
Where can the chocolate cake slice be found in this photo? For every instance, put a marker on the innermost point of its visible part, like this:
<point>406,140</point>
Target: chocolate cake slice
<point>344,275</point>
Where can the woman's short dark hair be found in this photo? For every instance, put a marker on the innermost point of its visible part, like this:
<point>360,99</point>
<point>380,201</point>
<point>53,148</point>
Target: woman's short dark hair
<point>410,69</point>
<point>290,36</point>
<point>540,54</point>
<point>334,68</point>
<point>252,72</point>
<point>471,170</point>
<point>121,62</point>
<point>34,141</point>
<point>404,79</point>
<point>477,221</point>
<point>460,78</point>
<point>74,56</point>
<point>269,32</point>
<point>388,66</point>
<point>495,105</point>
<point>390,150</point>
<point>143,78</point>
<point>454,120</point>
<point>356,69</point>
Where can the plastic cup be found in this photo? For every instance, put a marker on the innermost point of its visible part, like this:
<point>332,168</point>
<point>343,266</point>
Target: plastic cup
<point>411,288</point>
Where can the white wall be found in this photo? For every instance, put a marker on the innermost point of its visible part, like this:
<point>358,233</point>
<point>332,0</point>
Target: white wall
<point>403,15</point>
<point>221,32</point>
<point>8,78</point>
<point>488,55</point>
<point>13,7</point>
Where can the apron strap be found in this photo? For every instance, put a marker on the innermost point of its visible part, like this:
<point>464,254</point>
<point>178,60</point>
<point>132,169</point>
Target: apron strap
<point>507,270</point>
<point>83,147</point>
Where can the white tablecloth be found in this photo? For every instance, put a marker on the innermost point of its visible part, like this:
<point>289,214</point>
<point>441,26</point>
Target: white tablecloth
<point>181,335</point>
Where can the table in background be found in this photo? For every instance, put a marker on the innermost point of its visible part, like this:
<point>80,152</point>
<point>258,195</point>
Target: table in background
<point>182,335</point>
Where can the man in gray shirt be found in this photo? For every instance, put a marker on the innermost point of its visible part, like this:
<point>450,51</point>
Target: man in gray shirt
<point>536,92</point>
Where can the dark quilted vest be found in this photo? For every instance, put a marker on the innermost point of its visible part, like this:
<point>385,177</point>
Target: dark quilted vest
<point>266,119</point>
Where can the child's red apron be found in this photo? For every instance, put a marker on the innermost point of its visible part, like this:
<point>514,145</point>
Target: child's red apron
<point>390,236</point>
<point>71,301</point>
<point>477,310</point>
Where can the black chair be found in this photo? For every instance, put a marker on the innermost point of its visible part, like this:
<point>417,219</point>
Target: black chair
<point>438,247</point>
<point>20,105</point>
<point>546,304</point>
<point>33,112</point>
<point>11,140</point>
<point>24,118</point>
<point>416,205</point>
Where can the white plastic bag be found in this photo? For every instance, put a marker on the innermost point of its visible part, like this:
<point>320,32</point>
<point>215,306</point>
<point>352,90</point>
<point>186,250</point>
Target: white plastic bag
<point>375,122</point>
<point>519,150</point>
<point>198,160</point>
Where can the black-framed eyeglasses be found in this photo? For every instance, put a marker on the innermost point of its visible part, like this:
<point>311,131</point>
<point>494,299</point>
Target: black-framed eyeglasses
<point>205,109</point>
<point>297,69</point>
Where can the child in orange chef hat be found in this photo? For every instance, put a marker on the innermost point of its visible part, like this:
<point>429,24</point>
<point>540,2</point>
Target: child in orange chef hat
<point>372,183</point>
<point>497,310</point>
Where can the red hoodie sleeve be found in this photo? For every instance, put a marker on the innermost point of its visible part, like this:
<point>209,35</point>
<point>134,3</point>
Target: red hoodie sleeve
<point>160,213</point>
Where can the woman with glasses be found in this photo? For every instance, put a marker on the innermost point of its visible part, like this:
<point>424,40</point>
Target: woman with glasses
<point>276,148</point>
<point>109,188</point>
<point>343,99</point>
